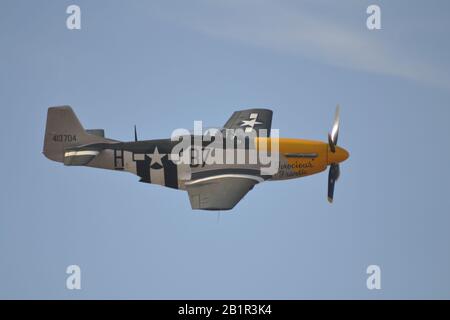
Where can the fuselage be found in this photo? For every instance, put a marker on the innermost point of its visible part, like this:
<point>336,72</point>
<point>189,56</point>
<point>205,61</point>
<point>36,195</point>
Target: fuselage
<point>151,160</point>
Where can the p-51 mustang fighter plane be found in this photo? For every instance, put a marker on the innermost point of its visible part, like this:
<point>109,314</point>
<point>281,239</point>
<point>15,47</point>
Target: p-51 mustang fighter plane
<point>211,185</point>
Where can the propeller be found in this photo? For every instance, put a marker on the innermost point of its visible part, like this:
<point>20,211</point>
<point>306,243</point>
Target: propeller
<point>135,134</point>
<point>333,174</point>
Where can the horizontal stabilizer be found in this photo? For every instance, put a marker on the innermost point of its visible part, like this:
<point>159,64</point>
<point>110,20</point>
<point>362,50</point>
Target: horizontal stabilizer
<point>96,132</point>
<point>79,157</point>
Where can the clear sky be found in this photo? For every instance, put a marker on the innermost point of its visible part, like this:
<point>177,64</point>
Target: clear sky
<point>163,64</point>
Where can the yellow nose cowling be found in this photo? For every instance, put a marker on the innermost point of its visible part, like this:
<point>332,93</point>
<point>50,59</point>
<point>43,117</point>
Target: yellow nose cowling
<point>339,155</point>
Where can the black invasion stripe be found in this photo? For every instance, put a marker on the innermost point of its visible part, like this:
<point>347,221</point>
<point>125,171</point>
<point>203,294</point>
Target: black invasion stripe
<point>170,173</point>
<point>143,170</point>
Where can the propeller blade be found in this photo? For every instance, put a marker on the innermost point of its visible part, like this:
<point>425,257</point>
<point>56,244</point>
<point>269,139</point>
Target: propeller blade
<point>135,134</point>
<point>331,143</point>
<point>333,135</point>
<point>333,176</point>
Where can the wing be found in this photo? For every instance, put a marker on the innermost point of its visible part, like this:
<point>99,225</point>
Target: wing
<point>221,192</point>
<point>251,119</point>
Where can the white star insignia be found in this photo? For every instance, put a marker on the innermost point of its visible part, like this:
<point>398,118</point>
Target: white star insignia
<point>250,123</point>
<point>156,157</point>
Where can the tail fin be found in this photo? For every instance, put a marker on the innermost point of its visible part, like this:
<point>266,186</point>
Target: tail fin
<point>64,130</point>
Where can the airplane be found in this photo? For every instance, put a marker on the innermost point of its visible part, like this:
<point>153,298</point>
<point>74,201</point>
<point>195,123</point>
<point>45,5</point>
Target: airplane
<point>210,185</point>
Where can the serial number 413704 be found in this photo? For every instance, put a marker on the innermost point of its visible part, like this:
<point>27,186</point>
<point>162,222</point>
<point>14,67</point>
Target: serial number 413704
<point>65,138</point>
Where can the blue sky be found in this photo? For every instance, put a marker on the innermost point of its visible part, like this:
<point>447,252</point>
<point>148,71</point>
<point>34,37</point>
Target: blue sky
<point>161,65</point>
